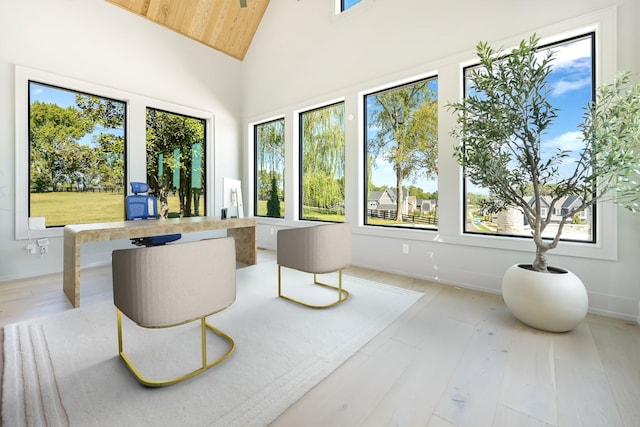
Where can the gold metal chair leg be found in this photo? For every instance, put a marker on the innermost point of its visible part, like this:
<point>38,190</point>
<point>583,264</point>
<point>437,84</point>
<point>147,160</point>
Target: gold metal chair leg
<point>342,293</point>
<point>159,383</point>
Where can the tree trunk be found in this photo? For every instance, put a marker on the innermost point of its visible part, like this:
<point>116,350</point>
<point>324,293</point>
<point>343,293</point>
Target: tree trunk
<point>164,203</point>
<point>399,199</point>
<point>540,263</point>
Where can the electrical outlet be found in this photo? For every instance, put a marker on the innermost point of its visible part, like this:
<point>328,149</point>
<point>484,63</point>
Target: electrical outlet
<point>31,249</point>
<point>43,244</point>
<point>405,248</point>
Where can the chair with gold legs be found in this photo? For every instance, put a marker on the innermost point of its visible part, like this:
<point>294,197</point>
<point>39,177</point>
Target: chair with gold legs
<point>165,286</point>
<point>318,249</point>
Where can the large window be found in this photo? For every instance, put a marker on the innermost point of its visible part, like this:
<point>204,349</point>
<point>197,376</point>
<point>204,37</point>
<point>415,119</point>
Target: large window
<point>176,163</point>
<point>269,168</point>
<point>76,156</point>
<point>573,80</point>
<point>401,149</point>
<point>322,163</point>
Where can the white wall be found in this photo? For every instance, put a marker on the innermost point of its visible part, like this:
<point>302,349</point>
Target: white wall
<point>303,54</point>
<point>96,42</point>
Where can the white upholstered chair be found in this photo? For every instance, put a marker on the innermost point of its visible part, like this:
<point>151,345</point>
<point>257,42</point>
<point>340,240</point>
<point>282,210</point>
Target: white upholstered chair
<point>163,286</point>
<point>318,249</point>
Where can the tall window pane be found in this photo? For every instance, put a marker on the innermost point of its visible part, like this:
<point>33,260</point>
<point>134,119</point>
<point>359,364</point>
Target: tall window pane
<point>269,164</point>
<point>401,149</point>
<point>176,163</point>
<point>76,156</point>
<point>322,163</point>
<point>572,79</point>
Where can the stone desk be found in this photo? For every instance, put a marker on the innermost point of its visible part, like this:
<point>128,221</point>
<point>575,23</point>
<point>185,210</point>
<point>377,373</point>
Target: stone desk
<point>242,229</point>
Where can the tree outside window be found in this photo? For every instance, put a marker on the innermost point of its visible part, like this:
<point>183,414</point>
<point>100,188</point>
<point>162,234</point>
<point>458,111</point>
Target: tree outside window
<point>269,169</point>
<point>176,163</point>
<point>572,85</point>
<point>401,149</point>
<point>322,163</point>
<point>76,156</point>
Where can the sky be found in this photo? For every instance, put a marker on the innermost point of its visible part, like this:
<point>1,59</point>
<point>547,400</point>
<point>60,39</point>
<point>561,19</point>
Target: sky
<point>571,92</point>
<point>64,98</point>
<point>349,3</point>
<point>383,173</point>
<point>42,93</point>
<point>571,82</point>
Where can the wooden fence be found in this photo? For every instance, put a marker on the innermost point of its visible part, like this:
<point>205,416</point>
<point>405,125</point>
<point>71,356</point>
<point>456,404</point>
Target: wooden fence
<point>391,216</point>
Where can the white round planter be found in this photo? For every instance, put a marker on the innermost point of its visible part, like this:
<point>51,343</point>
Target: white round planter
<point>555,301</point>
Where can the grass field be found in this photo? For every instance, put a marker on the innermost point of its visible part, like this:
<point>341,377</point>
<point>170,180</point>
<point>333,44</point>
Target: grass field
<point>262,208</point>
<point>309,212</point>
<point>321,215</point>
<point>63,208</point>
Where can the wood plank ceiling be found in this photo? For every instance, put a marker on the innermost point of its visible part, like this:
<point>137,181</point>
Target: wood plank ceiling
<point>221,24</point>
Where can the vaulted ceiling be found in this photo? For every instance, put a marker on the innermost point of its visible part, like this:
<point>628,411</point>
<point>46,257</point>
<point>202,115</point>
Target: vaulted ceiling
<point>224,25</point>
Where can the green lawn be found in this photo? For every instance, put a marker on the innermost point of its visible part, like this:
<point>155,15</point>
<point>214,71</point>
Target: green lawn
<point>61,208</point>
<point>319,214</point>
<point>322,215</point>
<point>309,212</point>
<point>262,208</point>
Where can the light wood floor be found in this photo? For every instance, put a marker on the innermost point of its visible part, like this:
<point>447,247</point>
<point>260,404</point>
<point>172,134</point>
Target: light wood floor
<point>456,358</point>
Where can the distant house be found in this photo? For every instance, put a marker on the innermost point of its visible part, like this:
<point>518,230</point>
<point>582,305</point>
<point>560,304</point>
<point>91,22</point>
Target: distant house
<point>563,207</point>
<point>386,201</point>
<point>428,205</point>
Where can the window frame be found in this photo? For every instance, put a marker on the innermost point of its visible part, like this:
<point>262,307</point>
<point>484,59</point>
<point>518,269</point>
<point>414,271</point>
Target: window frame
<point>603,23</point>
<point>300,158</point>
<point>58,87</point>
<point>450,196</point>
<point>363,98</point>
<point>204,152</point>
<point>549,44</point>
<point>256,192</point>
<point>135,135</point>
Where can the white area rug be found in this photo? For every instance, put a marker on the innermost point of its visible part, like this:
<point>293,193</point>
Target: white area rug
<point>65,370</point>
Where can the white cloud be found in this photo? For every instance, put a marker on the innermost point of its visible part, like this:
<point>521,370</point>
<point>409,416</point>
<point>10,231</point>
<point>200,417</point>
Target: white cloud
<point>572,64</point>
<point>563,86</point>
<point>573,55</point>
<point>567,141</point>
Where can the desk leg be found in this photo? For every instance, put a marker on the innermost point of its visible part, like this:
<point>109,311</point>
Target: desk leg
<point>71,270</point>
<point>245,244</point>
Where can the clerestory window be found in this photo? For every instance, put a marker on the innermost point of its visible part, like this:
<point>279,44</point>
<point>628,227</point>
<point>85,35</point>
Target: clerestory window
<point>346,4</point>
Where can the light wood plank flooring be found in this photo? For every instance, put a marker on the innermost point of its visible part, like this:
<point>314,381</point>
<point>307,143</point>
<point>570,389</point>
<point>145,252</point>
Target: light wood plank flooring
<point>456,358</point>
